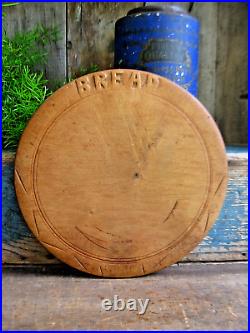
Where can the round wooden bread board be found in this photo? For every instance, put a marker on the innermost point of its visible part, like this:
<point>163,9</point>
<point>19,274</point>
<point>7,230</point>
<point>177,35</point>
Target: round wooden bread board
<point>120,173</point>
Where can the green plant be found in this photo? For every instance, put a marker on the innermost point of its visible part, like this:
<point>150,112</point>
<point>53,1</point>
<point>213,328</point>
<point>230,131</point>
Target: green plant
<point>24,89</point>
<point>24,86</point>
<point>10,4</point>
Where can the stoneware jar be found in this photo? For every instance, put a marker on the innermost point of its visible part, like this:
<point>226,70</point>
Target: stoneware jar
<point>161,41</point>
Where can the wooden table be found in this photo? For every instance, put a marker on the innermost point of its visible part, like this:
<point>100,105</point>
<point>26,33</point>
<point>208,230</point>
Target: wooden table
<point>182,297</point>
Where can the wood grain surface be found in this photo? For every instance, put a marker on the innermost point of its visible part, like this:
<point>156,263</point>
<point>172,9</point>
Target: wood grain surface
<point>148,167</point>
<point>90,33</point>
<point>197,297</point>
<point>207,15</point>
<point>232,82</point>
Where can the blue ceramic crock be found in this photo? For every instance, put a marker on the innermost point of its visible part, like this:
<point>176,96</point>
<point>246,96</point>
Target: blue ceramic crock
<point>161,41</point>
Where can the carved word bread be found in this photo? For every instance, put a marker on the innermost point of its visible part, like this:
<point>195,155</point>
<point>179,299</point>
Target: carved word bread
<point>120,173</point>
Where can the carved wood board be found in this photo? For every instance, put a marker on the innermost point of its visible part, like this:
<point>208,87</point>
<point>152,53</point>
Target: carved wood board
<point>120,173</point>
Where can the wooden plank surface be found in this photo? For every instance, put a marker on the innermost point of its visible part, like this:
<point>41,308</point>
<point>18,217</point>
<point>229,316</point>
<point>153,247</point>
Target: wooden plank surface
<point>180,298</point>
<point>90,35</point>
<point>26,16</point>
<point>207,15</point>
<point>227,240</point>
<point>231,72</point>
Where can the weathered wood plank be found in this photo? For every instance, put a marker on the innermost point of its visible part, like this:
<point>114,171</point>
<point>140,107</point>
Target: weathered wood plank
<point>227,240</point>
<point>186,297</point>
<point>26,16</point>
<point>90,34</point>
<point>231,74</point>
<point>207,15</point>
